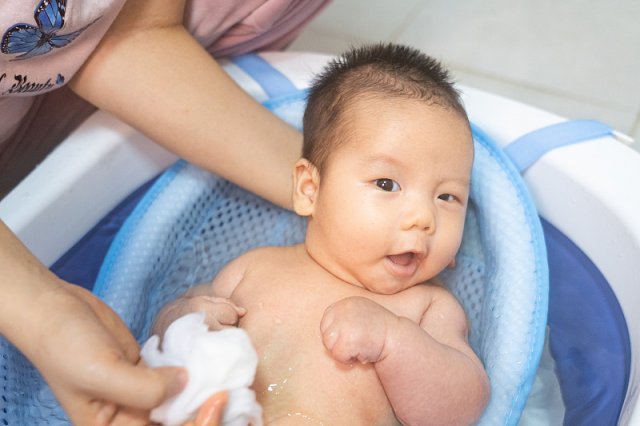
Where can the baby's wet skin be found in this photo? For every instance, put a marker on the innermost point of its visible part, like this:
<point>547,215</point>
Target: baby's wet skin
<point>298,381</point>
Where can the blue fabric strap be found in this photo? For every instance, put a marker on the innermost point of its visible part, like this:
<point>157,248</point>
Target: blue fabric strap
<point>527,149</point>
<point>273,82</point>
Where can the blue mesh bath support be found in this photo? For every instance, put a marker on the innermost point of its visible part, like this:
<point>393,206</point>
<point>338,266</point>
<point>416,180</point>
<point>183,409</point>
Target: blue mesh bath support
<point>191,223</point>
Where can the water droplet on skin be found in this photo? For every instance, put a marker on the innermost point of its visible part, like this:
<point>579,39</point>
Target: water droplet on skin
<point>306,418</point>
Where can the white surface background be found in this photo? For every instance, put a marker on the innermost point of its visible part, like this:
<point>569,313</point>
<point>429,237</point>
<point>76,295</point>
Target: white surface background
<point>575,58</point>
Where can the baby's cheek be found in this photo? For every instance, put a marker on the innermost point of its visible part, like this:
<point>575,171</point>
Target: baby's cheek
<point>447,253</point>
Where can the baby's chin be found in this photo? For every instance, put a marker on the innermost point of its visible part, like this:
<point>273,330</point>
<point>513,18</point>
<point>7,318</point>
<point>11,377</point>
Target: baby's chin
<point>387,278</point>
<point>391,285</point>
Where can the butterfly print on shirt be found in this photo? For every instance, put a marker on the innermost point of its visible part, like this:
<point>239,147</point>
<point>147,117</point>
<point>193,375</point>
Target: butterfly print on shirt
<point>29,41</point>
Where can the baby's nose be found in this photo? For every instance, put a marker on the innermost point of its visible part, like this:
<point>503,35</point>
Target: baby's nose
<point>421,217</point>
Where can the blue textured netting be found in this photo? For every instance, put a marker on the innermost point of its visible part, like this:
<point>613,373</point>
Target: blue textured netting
<point>191,223</point>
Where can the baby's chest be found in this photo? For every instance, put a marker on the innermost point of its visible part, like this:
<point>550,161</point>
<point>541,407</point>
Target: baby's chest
<point>290,309</point>
<point>295,370</point>
<point>285,330</point>
<point>281,311</point>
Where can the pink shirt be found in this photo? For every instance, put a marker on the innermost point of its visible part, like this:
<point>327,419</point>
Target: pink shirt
<point>44,42</point>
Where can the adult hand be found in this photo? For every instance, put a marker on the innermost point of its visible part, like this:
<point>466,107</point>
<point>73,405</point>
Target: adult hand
<point>88,357</point>
<point>210,413</point>
<point>81,347</point>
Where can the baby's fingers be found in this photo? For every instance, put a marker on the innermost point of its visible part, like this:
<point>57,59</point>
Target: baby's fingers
<point>221,300</point>
<point>328,319</point>
<point>332,326</point>
<point>219,312</point>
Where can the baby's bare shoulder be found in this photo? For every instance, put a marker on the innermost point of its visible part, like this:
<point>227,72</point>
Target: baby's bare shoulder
<point>415,302</point>
<point>444,313</point>
<point>243,268</point>
<point>428,292</point>
<point>440,297</point>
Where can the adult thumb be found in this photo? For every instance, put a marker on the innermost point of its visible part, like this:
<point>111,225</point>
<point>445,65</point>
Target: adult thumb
<point>143,387</point>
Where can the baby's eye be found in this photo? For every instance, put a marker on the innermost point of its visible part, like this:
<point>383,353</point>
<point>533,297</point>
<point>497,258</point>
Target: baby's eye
<point>447,197</point>
<point>387,185</point>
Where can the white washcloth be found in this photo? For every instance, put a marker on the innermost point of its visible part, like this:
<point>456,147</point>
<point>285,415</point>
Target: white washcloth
<point>216,361</point>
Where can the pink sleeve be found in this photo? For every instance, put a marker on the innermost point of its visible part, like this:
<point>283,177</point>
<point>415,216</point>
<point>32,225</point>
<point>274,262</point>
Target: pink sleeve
<point>73,28</point>
<point>234,27</point>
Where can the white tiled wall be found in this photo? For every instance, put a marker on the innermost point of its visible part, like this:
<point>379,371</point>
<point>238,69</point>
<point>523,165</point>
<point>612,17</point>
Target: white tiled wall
<point>579,59</point>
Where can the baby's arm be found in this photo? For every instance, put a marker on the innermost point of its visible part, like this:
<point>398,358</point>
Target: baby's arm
<point>214,299</point>
<point>428,370</point>
<point>430,373</point>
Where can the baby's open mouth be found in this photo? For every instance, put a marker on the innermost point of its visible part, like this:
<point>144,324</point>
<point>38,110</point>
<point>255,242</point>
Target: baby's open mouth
<point>404,264</point>
<point>402,259</point>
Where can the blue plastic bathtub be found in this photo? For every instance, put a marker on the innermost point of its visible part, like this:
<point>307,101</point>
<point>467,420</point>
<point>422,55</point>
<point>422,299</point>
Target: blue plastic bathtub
<point>589,372</point>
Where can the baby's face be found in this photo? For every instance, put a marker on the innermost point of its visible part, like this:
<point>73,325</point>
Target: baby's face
<point>391,203</point>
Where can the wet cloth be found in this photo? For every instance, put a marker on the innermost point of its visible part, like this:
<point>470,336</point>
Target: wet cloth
<point>45,42</point>
<point>216,361</point>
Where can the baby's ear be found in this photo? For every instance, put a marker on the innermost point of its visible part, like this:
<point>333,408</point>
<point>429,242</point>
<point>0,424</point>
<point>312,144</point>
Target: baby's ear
<point>306,181</point>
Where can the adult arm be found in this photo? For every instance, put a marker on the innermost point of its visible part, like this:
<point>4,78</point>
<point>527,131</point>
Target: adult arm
<point>150,72</point>
<point>81,347</point>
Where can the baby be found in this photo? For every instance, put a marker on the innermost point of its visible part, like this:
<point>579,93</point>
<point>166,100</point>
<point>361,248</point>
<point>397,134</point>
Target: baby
<point>352,326</point>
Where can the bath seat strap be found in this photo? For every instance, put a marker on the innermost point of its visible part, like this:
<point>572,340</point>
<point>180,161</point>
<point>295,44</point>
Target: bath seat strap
<point>272,81</point>
<point>527,149</point>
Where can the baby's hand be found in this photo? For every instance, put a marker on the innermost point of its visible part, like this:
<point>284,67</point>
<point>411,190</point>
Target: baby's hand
<point>220,312</point>
<point>356,329</point>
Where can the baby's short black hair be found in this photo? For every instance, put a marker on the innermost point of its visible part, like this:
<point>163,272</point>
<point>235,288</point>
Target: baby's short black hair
<point>386,71</point>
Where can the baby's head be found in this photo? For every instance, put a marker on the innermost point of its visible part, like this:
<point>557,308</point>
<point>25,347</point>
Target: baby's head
<point>385,172</point>
<point>370,75</point>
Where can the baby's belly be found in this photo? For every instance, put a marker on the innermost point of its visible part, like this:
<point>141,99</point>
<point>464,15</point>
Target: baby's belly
<point>299,383</point>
